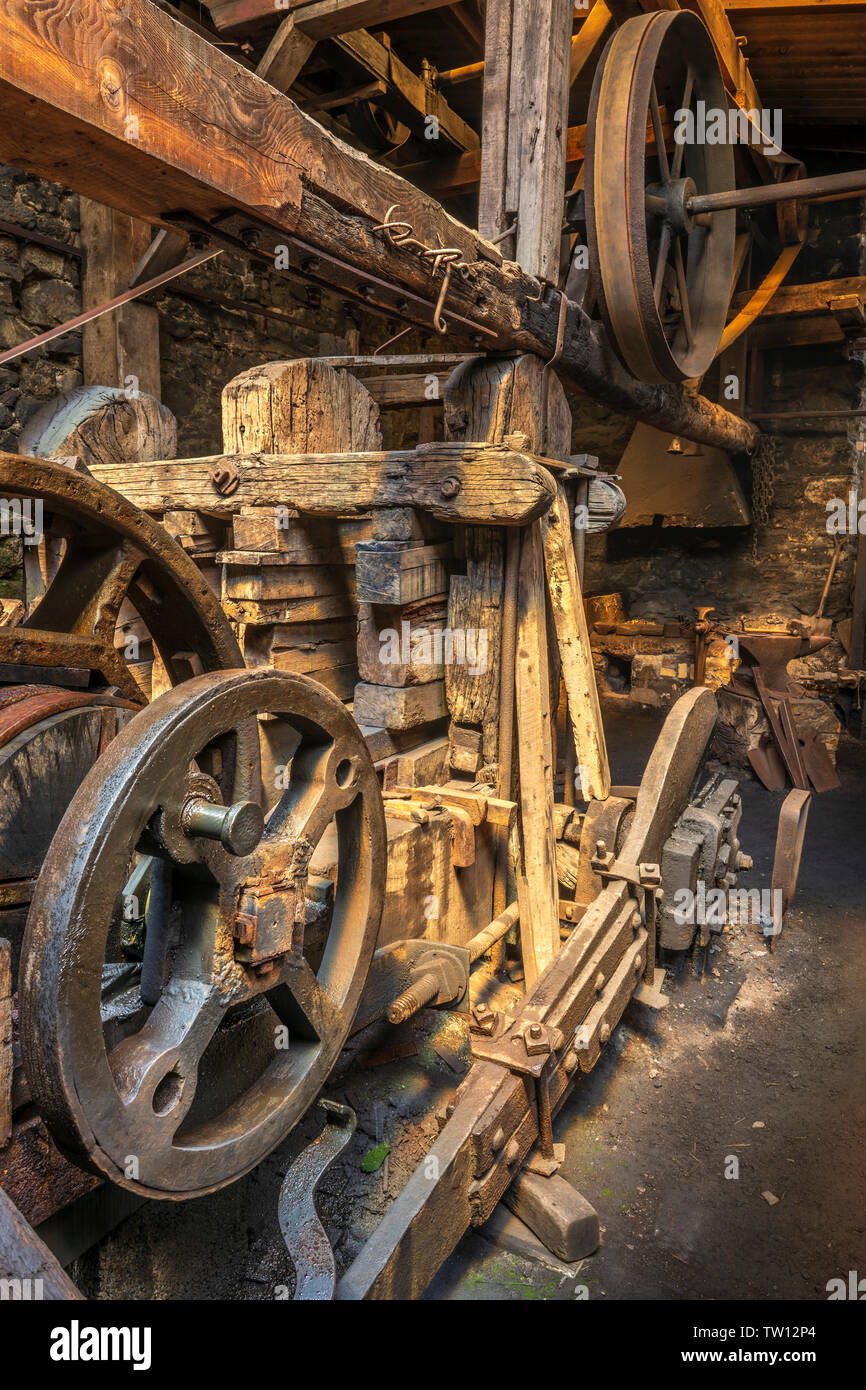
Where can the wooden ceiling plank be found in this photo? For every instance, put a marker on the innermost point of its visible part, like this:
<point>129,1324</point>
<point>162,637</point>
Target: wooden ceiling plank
<point>383,64</point>
<point>321,19</point>
<point>129,107</point>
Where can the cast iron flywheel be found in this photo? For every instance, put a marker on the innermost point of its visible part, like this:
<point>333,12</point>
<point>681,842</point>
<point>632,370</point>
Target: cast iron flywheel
<point>178,1075</point>
<point>663,276</point>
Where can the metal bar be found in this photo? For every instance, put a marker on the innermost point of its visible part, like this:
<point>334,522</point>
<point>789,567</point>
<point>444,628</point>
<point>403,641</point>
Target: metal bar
<point>91,314</point>
<point>807,415</point>
<point>825,185</point>
<point>40,239</point>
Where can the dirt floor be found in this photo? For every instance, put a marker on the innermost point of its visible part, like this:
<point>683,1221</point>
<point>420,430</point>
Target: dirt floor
<point>758,1069</point>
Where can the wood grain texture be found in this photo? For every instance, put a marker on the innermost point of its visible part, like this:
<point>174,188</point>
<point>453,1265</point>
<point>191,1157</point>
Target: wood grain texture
<point>539,917</point>
<point>6,1059</point>
<point>496,484</point>
<point>298,407</point>
<point>101,425</point>
<point>124,343</point>
<point>537,126</point>
<point>572,634</point>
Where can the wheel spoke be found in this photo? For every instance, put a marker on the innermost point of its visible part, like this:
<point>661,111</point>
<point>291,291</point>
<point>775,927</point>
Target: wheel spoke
<point>302,1004</point>
<point>658,131</point>
<point>662,262</point>
<point>317,791</point>
<point>156,1069</point>
<point>683,289</point>
<point>684,106</point>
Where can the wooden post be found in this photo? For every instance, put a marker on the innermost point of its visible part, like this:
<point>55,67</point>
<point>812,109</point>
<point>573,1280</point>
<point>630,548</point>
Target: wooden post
<point>539,84</point>
<point>281,560</point>
<point>124,344</point>
<point>6,1061</point>
<point>572,634</point>
<point>491,400</point>
<point>537,890</point>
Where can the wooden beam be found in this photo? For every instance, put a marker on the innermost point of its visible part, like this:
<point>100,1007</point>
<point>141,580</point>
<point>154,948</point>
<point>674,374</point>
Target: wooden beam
<point>586,40</point>
<point>285,55</point>
<point>807,299</point>
<point>537,890</point>
<point>122,348</point>
<point>384,65</point>
<point>537,125</point>
<point>472,483</point>
<point>77,84</point>
<point>572,635</point>
<point>321,19</point>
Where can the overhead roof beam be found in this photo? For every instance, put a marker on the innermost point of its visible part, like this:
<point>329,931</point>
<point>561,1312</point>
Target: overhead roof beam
<point>320,19</point>
<point>129,107</point>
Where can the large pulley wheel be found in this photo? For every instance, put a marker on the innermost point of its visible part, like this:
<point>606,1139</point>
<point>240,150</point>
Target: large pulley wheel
<point>112,552</point>
<point>663,275</point>
<point>176,1076</point>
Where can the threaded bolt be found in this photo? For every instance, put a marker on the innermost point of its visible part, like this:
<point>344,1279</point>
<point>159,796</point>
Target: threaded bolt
<point>413,998</point>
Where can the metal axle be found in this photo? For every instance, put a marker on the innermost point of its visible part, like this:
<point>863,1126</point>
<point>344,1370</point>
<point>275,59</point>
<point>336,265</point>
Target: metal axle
<point>826,185</point>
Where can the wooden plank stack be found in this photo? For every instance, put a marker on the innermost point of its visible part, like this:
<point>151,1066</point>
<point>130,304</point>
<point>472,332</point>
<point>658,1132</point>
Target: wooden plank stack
<point>288,581</point>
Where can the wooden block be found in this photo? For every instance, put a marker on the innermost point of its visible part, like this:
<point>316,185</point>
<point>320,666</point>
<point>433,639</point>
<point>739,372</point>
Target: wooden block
<point>391,708</point>
<point>340,680</point>
<point>401,646</point>
<point>263,612</point>
<point>6,1064</point>
<point>422,766</point>
<point>259,643</point>
<point>288,582</point>
<point>196,533</point>
<point>558,1214</point>
<point>302,540</point>
<point>400,576</point>
<point>466,749</point>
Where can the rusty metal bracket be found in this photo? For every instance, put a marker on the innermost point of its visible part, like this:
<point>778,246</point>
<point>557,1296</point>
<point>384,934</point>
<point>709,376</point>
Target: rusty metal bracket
<point>305,1236</point>
<point>786,860</point>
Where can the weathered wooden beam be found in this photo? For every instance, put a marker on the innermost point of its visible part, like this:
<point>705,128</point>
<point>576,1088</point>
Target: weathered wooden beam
<point>285,55</point>
<point>468,483</point>
<point>417,99</point>
<point>572,635</point>
<point>321,19</point>
<point>125,344</point>
<point>537,124</point>
<point>27,1260</point>
<point>807,299</point>
<point>131,108</point>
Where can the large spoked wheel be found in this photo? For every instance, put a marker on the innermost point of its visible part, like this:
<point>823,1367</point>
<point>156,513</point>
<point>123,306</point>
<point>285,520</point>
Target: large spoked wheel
<point>247,986</point>
<point>112,552</point>
<point>663,276</point>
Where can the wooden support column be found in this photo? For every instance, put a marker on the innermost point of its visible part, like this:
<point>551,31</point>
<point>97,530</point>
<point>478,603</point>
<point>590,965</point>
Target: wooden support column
<point>289,580</point>
<point>539,84</point>
<point>492,401</point>
<point>125,343</point>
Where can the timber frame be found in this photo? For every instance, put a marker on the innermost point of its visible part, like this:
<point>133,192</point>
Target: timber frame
<point>78,93</point>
